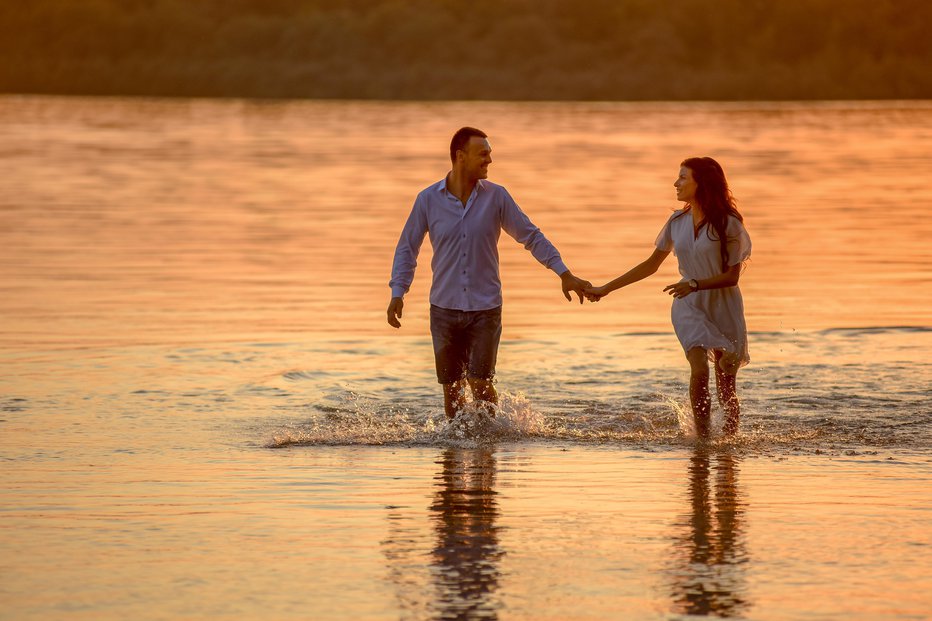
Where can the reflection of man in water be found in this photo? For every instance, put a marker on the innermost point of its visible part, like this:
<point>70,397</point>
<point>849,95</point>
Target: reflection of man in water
<point>467,553</point>
<point>709,577</point>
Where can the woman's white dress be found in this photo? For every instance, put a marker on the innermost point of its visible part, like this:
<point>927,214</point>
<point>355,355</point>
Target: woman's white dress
<point>712,319</point>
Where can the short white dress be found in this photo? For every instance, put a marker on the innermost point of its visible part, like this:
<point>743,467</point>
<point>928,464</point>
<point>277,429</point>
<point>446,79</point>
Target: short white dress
<point>712,319</point>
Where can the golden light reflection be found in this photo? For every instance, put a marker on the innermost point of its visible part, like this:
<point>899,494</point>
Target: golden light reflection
<point>467,552</point>
<point>710,553</point>
<point>144,222</point>
<point>449,566</point>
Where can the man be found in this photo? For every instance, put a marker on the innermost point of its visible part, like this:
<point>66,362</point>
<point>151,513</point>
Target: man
<point>464,215</point>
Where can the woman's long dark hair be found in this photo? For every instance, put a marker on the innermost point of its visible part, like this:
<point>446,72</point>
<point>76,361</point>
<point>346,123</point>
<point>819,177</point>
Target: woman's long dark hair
<point>715,199</point>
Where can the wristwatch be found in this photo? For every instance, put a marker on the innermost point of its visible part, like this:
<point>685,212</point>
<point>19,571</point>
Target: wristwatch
<point>694,284</point>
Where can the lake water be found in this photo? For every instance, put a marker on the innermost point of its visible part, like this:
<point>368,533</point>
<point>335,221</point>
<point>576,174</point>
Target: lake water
<point>203,413</point>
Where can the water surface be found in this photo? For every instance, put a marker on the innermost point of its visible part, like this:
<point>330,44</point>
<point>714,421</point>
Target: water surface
<point>204,414</point>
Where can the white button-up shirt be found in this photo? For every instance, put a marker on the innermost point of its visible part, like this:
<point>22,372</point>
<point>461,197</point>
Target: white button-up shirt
<point>465,243</point>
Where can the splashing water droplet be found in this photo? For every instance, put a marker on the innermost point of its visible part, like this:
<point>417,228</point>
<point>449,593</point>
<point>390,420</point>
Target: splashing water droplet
<point>359,421</point>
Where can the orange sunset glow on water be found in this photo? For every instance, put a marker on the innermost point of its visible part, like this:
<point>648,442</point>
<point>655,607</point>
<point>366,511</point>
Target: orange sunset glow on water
<point>247,209</point>
<point>203,413</point>
<point>208,409</point>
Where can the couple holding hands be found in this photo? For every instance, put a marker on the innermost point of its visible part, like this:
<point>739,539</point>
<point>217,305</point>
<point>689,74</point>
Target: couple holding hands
<point>464,215</point>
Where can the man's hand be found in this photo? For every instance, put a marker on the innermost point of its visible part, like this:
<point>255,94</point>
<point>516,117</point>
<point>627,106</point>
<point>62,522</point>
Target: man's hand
<point>576,285</point>
<point>394,312</point>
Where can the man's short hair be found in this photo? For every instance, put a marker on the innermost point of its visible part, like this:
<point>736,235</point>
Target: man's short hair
<point>461,139</point>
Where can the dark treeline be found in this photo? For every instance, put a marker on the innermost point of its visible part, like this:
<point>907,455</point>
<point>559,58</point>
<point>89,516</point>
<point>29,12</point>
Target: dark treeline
<point>470,49</point>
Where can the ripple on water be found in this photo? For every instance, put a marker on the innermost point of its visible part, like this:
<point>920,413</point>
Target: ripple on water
<point>353,419</point>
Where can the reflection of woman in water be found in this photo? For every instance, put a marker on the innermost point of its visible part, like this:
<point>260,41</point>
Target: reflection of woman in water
<point>710,242</point>
<point>708,577</point>
<point>467,552</point>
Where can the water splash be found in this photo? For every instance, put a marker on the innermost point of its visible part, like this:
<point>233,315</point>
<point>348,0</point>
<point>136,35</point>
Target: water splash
<point>479,422</point>
<point>341,417</point>
<point>353,419</point>
<point>360,420</point>
<point>686,422</point>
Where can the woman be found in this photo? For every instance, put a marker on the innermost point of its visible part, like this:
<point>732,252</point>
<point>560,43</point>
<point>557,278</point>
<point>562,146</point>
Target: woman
<point>710,242</point>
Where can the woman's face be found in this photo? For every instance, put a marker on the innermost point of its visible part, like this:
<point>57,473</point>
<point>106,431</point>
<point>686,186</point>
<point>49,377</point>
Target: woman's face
<point>685,186</point>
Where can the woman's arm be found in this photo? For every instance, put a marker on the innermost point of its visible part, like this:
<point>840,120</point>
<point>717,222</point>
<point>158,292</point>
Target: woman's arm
<point>638,272</point>
<point>721,281</point>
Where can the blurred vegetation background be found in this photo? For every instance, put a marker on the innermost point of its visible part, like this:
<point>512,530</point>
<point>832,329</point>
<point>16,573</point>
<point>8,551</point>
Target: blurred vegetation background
<point>470,49</point>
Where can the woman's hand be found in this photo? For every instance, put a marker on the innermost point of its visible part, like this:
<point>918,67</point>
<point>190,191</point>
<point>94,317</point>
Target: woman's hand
<point>594,294</point>
<point>680,289</point>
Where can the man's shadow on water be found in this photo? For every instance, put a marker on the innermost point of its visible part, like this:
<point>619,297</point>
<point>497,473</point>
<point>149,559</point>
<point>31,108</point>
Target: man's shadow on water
<point>710,554</point>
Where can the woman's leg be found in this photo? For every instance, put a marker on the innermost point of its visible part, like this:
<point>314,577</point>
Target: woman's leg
<point>726,387</point>
<point>699,389</point>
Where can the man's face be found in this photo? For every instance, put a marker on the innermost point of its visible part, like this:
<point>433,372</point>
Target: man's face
<point>476,158</point>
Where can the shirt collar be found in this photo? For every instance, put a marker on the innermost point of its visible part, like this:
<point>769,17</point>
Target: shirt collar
<point>442,185</point>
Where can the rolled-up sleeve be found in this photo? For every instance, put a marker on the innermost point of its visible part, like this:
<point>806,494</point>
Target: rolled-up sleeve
<point>519,226</point>
<point>409,245</point>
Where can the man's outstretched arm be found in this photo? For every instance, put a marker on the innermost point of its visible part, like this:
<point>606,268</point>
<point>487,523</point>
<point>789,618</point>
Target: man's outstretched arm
<point>574,284</point>
<point>518,225</point>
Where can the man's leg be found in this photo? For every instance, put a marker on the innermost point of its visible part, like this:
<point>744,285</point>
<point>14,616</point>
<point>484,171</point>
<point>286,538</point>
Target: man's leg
<point>483,390</point>
<point>485,332</point>
<point>449,357</point>
<point>454,397</point>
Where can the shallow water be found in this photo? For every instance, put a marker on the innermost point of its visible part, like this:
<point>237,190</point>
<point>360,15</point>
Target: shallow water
<point>204,414</point>
<point>515,531</point>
